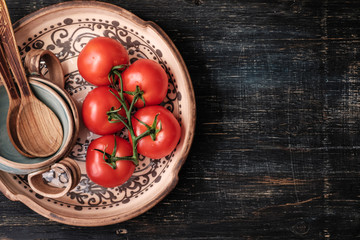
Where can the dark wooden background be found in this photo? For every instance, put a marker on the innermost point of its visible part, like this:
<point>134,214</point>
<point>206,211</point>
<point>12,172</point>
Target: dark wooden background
<point>276,150</point>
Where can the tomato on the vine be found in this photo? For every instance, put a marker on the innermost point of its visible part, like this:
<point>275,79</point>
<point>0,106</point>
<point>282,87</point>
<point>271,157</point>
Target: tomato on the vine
<point>97,103</point>
<point>154,131</point>
<point>101,172</point>
<point>98,57</point>
<point>167,135</point>
<point>151,79</point>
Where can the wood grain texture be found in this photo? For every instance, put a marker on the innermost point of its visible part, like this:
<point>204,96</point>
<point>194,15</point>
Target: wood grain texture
<point>14,103</point>
<point>276,149</point>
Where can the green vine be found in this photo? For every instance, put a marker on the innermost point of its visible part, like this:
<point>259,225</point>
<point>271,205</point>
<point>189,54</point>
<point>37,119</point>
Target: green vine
<point>114,116</point>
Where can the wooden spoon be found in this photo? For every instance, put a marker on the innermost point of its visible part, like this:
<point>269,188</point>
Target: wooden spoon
<point>14,104</point>
<point>39,130</point>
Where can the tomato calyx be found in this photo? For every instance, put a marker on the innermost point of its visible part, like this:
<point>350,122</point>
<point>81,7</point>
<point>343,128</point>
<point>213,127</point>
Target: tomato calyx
<point>151,131</point>
<point>111,159</point>
<point>138,94</point>
<point>114,116</point>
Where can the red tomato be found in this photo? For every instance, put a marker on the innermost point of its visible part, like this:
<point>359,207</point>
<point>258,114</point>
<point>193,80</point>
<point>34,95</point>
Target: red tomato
<point>166,139</point>
<point>150,77</point>
<point>95,106</point>
<point>99,171</point>
<point>98,57</point>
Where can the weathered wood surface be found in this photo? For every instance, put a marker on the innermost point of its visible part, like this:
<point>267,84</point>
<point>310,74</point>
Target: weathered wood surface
<point>276,151</point>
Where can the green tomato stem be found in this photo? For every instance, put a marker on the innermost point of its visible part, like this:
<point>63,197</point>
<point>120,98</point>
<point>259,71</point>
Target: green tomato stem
<point>114,116</point>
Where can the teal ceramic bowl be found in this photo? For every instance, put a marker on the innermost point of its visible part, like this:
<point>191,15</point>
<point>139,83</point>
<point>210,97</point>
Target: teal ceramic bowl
<point>11,160</point>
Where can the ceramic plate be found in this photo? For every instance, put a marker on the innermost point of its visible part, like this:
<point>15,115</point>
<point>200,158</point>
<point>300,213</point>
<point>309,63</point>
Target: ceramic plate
<point>64,29</point>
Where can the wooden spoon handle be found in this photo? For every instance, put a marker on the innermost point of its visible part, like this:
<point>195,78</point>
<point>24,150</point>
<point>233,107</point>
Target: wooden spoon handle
<point>6,77</point>
<point>11,50</point>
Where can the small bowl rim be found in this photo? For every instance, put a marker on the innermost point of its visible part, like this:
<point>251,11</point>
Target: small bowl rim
<point>31,167</point>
